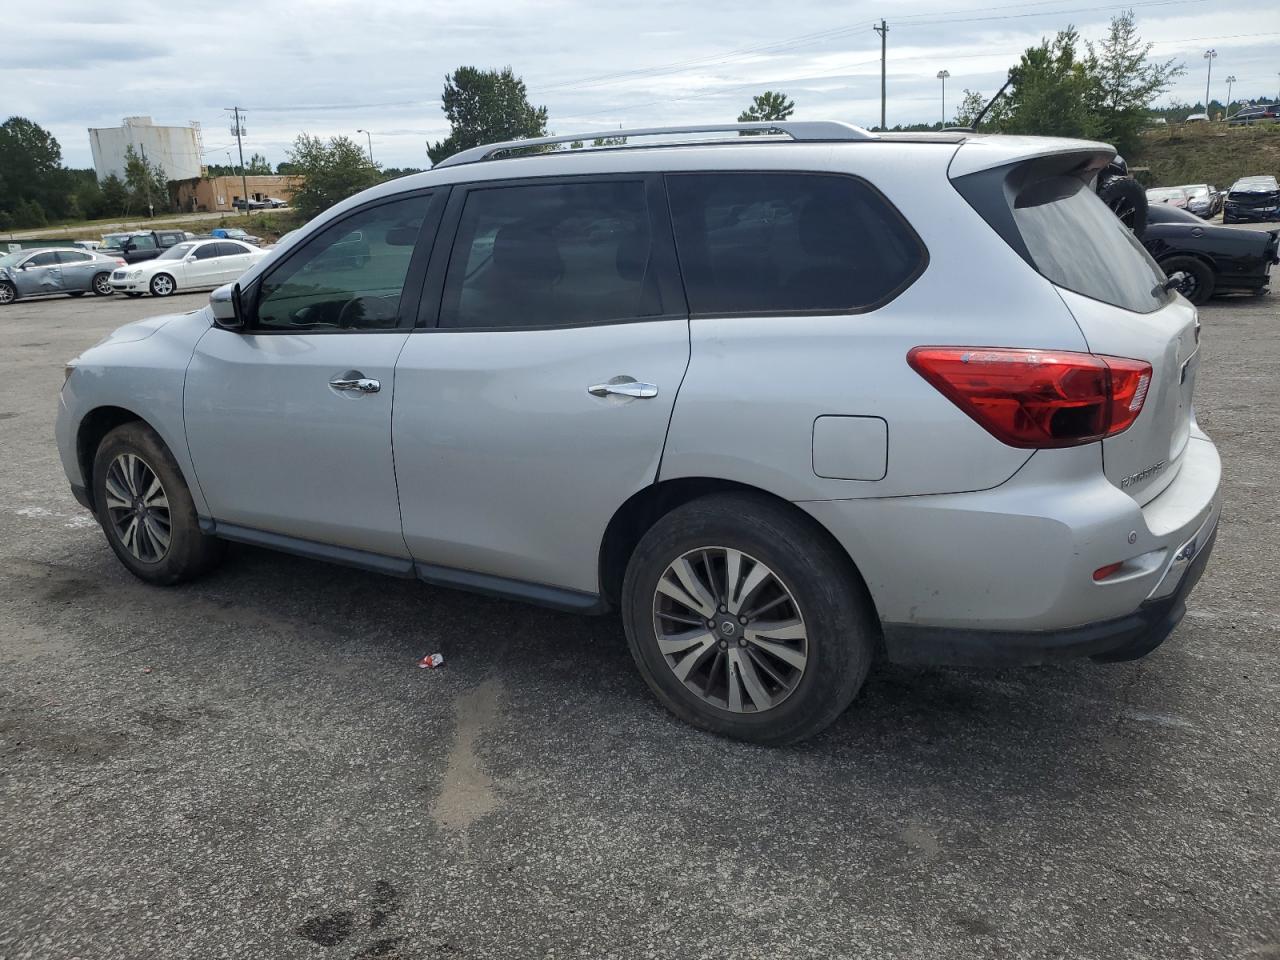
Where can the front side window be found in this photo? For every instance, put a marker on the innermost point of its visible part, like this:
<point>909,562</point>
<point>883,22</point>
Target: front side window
<point>348,276</point>
<point>788,243</point>
<point>43,260</point>
<point>552,255</point>
<point>143,243</point>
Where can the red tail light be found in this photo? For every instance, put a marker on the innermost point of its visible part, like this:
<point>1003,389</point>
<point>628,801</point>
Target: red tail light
<point>1038,398</point>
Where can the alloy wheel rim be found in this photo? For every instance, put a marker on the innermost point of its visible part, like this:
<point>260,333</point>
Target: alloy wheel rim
<point>102,284</point>
<point>730,630</point>
<point>162,286</point>
<point>138,508</point>
<point>6,293</point>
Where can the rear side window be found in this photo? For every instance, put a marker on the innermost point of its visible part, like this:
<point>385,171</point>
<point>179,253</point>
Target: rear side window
<point>550,255</point>
<point>788,243</point>
<point>1075,241</point>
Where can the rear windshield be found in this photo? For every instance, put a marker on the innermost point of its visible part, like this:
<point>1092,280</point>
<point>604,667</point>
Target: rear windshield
<point>1077,242</point>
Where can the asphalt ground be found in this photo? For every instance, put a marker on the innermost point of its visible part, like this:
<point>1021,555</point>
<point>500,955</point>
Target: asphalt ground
<point>253,766</point>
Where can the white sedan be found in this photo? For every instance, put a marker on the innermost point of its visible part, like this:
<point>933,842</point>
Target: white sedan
<point>193,265</point>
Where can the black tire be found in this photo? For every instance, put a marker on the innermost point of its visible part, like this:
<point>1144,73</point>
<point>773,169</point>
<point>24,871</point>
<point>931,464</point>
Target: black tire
<point>160,279</point>
<point>829,597</point>
<point>189,552</point>
<point>8,292</point>
<point>1128,201</point>
<point>1200,282</point>
<point>102,285</point>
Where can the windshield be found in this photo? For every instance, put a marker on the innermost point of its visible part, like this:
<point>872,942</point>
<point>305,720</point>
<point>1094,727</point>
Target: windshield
<point>1077,242</point>
<point>115,239</point>
<point>11,259</point>
<point>177,252</point>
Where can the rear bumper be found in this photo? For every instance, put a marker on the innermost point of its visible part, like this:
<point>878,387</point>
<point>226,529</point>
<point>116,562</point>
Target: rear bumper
<point>1108,641</point>
<point>1006,574</point>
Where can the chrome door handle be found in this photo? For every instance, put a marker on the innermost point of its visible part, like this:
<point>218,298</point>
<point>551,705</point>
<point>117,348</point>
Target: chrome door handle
<point>356,385</point>
<point>624,388</point>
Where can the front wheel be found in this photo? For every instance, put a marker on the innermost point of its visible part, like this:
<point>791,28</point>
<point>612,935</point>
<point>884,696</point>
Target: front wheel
<point>8,293</point>
<point>102,284</point>
<point>1199,283</point>
<point>146,510</point>
<point>747,620</point>
<point>162,285</point>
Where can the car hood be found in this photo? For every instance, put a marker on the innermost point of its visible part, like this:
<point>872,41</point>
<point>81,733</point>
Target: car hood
<point>141,329</point>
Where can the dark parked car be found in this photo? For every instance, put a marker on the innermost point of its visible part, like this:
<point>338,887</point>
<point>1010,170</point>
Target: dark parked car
<point>1262,114</point>
<point>1214,259</point>
<point>141,245</point>
<point>1252,199</point>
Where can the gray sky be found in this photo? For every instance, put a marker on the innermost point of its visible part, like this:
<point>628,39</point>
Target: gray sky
<point>332,66</point>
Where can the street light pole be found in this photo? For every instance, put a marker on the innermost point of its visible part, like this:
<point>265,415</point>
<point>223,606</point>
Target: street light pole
<point>370,138</point>
<point>1231,78</point>
<point>1209,55</point>
<point>942,75</point>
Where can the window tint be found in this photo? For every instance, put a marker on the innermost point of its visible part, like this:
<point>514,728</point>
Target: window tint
<point>229,249</point>
<point>552,254</point>
<point>781,242</point>
<point>71,256</point>
<point>1077,242</point>
<point>349,276</point>
<point>207,251</point>
<point>145,242</point>
<point>43,260</point>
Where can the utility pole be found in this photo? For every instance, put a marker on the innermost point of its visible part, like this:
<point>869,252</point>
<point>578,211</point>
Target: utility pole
<point>883,30</point>
<point>1209,55</point>
<point>238,131</point>
<point>942,75</point>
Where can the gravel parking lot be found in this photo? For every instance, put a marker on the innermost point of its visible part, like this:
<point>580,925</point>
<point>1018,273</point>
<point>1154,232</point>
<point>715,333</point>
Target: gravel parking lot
<point>253,766</point>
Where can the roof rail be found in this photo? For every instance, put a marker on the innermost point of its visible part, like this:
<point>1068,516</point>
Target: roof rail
<point>804,130</point>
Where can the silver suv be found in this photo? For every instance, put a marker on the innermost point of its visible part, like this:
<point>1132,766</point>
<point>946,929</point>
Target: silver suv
<point>784,401</point>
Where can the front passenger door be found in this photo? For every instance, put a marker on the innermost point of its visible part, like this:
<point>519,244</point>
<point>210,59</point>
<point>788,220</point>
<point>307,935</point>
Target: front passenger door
<point>40,273</point>
<point>289,420</point>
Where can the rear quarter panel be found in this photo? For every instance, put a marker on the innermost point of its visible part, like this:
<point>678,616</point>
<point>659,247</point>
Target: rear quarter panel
<point>756,384</point>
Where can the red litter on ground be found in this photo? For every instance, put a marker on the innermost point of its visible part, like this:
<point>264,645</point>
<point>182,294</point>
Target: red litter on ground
<point>432,660</point>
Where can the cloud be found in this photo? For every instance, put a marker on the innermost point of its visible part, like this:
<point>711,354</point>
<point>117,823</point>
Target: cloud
<point>332,66</point>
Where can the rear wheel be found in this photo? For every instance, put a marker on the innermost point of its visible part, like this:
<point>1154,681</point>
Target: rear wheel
<point>146,510</point>
<point>102,284</point>
<point>162,285</point>
<point>1199,283</point>
<point>746,619</point>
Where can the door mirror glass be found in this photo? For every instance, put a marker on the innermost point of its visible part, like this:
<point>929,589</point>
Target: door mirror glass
<point>227,305</point>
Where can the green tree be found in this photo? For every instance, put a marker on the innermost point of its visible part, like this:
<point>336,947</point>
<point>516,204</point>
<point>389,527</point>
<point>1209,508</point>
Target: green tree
<point>115,197</point>
<point>32,184</point>
<point>969,108</point>
<point>147,183</point>
<point>330,172</point>
<point>258,166</point>
<point>1053,91</point>
<point>770,105</point>
<point>1125,82</point>
<point>485,106</point>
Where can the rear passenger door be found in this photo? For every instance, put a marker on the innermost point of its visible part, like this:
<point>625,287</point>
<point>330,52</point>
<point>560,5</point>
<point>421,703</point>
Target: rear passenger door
<point>534,398</point>
<point>78,269</point>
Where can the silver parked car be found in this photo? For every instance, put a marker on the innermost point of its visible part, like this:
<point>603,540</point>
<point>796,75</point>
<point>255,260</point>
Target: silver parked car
<point>37,273</point>
<point>784,401</point>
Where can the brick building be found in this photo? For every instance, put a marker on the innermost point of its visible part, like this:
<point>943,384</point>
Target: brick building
<point>201,194</point>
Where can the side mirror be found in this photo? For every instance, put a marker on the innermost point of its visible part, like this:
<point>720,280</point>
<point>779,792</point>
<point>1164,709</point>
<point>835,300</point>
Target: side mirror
<point>189,258</point>
<point>227,305</point>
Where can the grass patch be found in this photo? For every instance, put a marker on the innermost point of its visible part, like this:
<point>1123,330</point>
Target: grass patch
<point>1208,153</point>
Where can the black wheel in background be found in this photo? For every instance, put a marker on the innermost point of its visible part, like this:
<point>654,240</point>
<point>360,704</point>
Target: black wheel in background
<point>1199,284</point>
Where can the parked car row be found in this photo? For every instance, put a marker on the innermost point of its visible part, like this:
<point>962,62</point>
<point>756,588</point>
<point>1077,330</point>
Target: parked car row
<point>161,266</point>
<point>1202,199</point>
